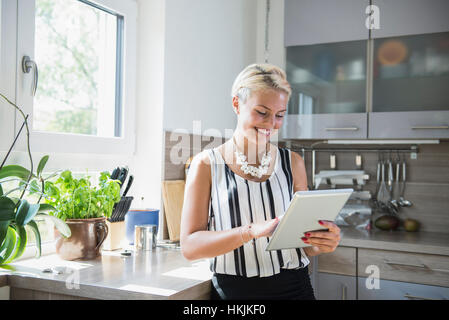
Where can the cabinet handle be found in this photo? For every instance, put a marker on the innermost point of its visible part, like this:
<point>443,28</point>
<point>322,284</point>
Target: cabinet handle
<point>343,292</point>
<point>422,266</point>
<point>429,127</point>
<point>343,129</point>
<point>409,296</point>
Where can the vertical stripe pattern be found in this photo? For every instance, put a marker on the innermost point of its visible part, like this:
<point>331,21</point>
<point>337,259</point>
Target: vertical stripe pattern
<point>236,201</point>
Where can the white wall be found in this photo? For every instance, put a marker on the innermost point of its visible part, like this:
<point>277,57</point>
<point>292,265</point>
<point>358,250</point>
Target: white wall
<point>208,42</point>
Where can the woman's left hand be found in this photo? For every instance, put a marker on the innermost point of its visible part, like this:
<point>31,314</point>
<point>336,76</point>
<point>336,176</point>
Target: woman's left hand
<point>323,241</point>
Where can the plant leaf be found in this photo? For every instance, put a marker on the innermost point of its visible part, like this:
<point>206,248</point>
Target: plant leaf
<point>1,190</point>
<point>6,209</point>
<point>14,171</point>
<point>9,245</point>
<point>45,207</point>
<point>26,212</point>
<point>33,225</point>
<point>21,242</point>
<point>3,229</point>
<point>22,212</point>
<point>32,211</point>
<point>62,227</point>
<point>6,267</point>
<point>42,164</point>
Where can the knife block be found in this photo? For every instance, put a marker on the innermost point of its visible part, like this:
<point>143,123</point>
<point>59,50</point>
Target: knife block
<point>116,236</point>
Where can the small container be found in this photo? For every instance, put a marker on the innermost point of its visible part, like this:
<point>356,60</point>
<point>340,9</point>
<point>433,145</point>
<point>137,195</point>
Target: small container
<point>145,237</point>
<point>138,217</point>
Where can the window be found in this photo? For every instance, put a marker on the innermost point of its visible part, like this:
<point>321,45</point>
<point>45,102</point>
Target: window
<point>85,53</point>
<point>78,49</point>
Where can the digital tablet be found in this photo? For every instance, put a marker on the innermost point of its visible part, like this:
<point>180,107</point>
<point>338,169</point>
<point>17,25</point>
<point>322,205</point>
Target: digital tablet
<point>303,213</point>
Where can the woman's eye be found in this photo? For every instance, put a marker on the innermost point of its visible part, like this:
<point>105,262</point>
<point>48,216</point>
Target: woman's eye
<point>261,113</point>
<point>280,115</point>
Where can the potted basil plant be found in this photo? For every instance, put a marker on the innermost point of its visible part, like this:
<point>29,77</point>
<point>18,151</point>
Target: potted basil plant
<point>84,207</point>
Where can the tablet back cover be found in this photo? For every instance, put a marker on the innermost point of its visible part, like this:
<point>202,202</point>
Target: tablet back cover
<point>306,208</point>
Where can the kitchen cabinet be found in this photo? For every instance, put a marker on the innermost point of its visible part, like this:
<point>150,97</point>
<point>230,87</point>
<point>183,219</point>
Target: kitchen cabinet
<point>310,22</point>
<point>392,85</point>
<point>410,87</point>
<point>336,275</point>
<point>407,17</point>
<point>396,290</point>
<point>328,91</point>
<point>428,269</point>
<point>335,287</point>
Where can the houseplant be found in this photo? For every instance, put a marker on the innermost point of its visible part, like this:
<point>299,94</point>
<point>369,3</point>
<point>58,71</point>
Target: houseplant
<point>84,207</point>
<point>18,212</point>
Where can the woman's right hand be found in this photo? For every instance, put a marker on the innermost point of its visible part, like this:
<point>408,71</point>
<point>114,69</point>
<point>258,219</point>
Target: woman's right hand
<point>264,228</point>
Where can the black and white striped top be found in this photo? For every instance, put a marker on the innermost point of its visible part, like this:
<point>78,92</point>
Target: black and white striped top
<point>236,201</point>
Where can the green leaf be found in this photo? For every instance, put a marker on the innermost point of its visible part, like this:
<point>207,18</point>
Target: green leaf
<point>33,225</point>
<point>9,245</point>
<point>3,229</point>
<point>42,164</point>
<point>26,212</point>
<point>20,245</point>
<point>1,190</point>
<point>6,267</point>
<point>62,227</point>
<point>7,207</point>
<point>45,207</point>
<point>14,171</point>
<point>22,212</point>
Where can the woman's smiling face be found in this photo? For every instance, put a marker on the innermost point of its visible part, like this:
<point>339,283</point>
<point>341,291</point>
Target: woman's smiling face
<point>261,115</point>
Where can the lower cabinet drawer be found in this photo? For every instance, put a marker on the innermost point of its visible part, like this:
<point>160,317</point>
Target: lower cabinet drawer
<point>335,287</point>
<point>341,261</point>
<point>403,266</point>
<point>395,290</point>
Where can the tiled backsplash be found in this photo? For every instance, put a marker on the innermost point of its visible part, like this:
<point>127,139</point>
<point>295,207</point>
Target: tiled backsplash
<point>427,184</point>
<point>427,176</point>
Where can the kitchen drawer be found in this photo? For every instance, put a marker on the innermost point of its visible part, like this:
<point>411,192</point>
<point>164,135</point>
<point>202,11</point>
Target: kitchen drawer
<point>395,290</point>
<point>325,126</point>
<point>408,267</point>
<point>409,125</point>
<point>341,261</point>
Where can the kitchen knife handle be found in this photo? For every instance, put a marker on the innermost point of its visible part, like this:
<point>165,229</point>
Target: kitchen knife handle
<point>130,181</point>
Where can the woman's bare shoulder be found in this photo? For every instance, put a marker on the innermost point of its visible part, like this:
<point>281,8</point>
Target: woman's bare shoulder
<point>200,166</point>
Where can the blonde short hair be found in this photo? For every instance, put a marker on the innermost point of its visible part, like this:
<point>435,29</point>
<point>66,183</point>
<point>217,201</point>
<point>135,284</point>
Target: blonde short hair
<point>257,77</point>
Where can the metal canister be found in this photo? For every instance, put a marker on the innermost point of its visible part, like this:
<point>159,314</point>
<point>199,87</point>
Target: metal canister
<point>145,236</point>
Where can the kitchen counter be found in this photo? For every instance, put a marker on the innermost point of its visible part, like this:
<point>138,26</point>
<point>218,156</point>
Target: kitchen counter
<point>165,274</point>
<point>418,242</point>
<point>159,274</point>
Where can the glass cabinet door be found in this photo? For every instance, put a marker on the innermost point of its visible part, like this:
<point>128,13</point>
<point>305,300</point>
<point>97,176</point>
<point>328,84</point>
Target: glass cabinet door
<point>327,78</point>
<point>411,73</point>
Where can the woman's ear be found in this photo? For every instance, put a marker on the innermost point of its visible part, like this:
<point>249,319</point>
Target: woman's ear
<point>235,104</point>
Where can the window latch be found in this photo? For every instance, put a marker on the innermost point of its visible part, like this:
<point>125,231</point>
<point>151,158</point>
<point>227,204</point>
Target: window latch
<point>27,64</point>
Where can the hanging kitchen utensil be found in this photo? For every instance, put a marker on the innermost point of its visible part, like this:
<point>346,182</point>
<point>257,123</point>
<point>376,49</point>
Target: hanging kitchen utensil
<point>402,201</point>
<point>383,196</point>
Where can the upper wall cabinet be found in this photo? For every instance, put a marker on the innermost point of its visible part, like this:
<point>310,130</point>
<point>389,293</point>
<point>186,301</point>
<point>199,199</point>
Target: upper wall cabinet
<point>410,87</point>
<point>328,91</point>
<point>324,21</point>
<point>411,17</point>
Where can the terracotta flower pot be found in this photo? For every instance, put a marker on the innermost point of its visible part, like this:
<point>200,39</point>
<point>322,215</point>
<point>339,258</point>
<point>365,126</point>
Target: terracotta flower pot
<point>85,242</point>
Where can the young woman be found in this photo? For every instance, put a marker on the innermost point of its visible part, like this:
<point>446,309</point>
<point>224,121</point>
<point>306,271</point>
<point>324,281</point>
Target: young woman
<point>236,192</point>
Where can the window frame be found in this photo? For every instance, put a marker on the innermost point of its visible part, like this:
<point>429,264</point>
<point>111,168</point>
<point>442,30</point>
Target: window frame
<point>48,142</point>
